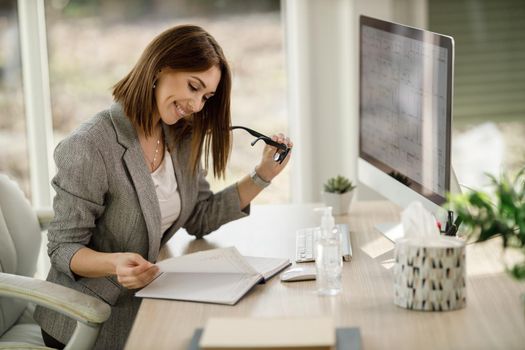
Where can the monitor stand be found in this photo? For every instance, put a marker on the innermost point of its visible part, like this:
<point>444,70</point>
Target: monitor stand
<point>394,230</point>
<point>391,230</point>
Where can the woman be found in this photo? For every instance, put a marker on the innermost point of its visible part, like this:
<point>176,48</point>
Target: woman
<point>131,176</point>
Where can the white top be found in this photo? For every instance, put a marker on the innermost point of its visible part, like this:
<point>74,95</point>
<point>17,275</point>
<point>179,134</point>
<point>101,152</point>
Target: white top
<point>167,191</point>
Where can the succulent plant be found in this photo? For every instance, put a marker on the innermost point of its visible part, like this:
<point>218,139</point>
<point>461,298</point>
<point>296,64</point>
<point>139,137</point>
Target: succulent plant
<point>338,184</point>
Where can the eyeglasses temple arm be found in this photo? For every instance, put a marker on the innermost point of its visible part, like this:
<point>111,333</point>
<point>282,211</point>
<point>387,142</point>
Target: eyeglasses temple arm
<point>250,131</point>
<point>260,136</point>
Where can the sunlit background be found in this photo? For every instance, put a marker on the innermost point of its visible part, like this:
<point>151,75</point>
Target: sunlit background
<point>93,43</point>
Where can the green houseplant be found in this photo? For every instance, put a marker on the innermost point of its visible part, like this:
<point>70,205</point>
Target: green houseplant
<point>502,213</point>
<point>337,193</point>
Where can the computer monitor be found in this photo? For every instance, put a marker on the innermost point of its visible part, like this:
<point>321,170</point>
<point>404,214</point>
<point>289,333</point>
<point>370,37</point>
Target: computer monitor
<point>406,79</point>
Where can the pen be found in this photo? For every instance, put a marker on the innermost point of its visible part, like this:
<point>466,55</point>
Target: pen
<point>449,223</point>
<point>453,229</point>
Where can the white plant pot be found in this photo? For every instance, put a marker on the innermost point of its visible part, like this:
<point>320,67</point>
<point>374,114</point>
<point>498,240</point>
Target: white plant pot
<point>340,203</point>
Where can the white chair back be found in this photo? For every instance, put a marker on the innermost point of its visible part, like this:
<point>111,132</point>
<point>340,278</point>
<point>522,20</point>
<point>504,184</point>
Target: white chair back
<point>20,239</point>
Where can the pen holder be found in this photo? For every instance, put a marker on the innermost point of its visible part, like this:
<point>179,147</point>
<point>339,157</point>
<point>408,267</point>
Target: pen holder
<point>430,276</point>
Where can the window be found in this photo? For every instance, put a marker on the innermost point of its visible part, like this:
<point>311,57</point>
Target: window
<point>93,44</point>
<point>489,108</point>
<point>14,160</point>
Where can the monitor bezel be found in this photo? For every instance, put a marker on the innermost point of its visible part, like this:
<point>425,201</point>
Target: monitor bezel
<point>425,36</point>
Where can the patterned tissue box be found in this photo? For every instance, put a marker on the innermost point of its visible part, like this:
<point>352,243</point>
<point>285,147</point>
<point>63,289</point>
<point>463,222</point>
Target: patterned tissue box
<point>430,275</point>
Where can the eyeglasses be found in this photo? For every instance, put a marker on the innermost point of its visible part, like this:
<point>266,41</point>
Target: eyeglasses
<point>282,149</point>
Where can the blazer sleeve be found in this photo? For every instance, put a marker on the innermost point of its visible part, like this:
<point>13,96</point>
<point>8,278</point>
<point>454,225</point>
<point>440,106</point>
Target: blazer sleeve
<point>80,184</point>
<point>214,209</point>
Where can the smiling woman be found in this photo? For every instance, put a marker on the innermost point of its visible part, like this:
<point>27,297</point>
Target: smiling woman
<point>116,32</point>
<point>131,176</point>
<point>177,63</point>
<point>181,94</point>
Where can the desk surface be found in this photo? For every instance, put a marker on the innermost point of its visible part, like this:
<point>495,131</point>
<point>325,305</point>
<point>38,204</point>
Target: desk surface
<point>494,317</point>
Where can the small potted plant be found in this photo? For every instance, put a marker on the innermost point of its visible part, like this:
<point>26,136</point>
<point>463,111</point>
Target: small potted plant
<point>502,213</point>
<point>338,193</point>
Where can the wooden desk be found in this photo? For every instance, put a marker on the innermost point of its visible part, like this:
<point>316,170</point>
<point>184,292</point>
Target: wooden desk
<point>493,319</point>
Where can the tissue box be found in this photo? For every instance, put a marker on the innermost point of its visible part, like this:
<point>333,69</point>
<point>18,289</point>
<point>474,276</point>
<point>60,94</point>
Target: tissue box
<point>430,275</point>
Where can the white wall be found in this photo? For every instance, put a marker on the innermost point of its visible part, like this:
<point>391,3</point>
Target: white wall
<point>319,78</point>
<point>321,39</point>
<point>37,100</point>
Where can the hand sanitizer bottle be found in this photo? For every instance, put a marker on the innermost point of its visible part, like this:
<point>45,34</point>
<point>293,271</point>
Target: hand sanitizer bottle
<point>328,261</point>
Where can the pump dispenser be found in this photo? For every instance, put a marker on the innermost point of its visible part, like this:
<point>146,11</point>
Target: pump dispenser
<point>328,261</point>
<point>327,222</point>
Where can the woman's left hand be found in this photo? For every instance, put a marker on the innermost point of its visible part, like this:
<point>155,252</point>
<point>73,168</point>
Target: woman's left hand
<point>268,168</point>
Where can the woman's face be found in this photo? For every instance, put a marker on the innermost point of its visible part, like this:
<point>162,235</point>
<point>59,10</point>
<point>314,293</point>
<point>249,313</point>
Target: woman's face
<point>180,94</point>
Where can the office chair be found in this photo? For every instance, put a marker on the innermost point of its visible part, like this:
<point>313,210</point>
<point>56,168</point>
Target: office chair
<point>20,237</point>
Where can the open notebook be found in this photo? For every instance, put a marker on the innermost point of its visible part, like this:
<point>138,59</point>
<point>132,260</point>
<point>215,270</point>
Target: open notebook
<point>219,276</point>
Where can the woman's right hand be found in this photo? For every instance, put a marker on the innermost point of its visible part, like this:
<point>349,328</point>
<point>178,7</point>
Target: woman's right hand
<point>133,271</point>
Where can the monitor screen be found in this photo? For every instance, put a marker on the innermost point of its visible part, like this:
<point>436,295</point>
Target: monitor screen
<point>405,104</point>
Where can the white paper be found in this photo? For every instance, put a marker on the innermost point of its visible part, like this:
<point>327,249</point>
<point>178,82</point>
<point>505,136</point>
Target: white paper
<point>221,260</point>
<point>267,266</point>
<point>224,288</point>
<point>216,276</point>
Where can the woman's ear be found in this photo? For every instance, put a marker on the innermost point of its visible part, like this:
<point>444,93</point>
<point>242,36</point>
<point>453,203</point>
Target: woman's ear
<point>156,78</point>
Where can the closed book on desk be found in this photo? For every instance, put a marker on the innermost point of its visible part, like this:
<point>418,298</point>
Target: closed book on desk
<point>219,276</point>
<point>348,338</point>
<point>268,334</point>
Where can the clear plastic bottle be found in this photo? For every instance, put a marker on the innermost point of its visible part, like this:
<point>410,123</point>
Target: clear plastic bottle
<point>328,261</point>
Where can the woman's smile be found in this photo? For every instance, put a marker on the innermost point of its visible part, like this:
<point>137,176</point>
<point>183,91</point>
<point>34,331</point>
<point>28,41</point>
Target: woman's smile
<point>180,94</point>
<point>181,111</point>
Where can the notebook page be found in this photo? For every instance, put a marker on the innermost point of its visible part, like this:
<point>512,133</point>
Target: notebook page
<point>221,260</point>
<point>267,267</point>
<point>224,288</point>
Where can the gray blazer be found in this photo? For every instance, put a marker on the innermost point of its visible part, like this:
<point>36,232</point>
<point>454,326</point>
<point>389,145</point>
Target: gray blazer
<point>105,200</point>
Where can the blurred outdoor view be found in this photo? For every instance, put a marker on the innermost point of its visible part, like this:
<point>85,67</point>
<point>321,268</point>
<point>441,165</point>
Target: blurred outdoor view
<point>489,89</point>
<point>93,43</point>
<point>14,160</point>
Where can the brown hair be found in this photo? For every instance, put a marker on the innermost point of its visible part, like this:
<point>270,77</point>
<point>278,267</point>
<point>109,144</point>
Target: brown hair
<point>184,48</point>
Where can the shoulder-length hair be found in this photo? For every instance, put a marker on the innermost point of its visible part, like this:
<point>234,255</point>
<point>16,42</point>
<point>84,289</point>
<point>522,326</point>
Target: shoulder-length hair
<point>191,49</point>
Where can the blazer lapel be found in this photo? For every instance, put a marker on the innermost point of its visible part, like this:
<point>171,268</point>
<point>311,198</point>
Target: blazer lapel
<point>140,176</point>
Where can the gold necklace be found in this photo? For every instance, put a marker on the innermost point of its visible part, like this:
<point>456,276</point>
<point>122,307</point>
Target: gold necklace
<point>152,164</point>
<point>155,155</point>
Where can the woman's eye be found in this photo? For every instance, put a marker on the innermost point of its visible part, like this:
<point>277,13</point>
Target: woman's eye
<point>193,88</point>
